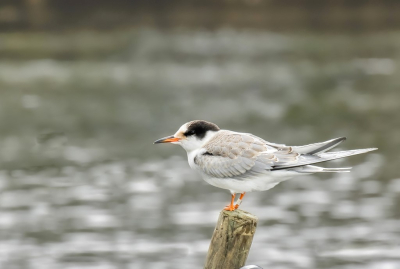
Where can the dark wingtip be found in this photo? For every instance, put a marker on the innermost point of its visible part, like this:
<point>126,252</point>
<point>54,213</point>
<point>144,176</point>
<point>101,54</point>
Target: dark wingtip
<point>328,145</point>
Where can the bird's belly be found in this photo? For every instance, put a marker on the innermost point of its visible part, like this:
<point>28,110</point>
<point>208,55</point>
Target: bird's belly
<point>261,183</point>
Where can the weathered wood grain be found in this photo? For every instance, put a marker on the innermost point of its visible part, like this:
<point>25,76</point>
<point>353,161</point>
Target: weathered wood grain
<point>231,241</point>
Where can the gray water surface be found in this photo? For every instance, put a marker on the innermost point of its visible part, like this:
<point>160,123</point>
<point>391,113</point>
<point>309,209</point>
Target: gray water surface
<point>82,185</point>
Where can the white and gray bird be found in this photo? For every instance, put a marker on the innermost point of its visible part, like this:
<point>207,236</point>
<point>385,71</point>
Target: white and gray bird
<point>242,162</point>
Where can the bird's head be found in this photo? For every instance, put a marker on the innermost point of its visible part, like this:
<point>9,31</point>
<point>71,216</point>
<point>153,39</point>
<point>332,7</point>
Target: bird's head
<point>192,135</point>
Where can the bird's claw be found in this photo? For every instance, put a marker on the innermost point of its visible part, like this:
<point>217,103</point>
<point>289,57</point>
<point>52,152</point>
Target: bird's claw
<point>230,208</point>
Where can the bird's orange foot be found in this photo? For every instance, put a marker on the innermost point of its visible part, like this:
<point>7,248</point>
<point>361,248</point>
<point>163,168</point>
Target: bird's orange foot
<point>236,206</point>
<point>230,208</point>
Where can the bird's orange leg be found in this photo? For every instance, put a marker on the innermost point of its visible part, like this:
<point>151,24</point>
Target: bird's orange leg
<point>231,207</point>
<point>240,200</point>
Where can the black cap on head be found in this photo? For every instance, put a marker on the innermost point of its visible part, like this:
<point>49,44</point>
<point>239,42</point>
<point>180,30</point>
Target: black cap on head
<point>199,128</point>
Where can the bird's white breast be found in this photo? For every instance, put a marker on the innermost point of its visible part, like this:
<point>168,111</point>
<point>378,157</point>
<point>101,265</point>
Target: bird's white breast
<point>191,155</point>
<point>260,183</point>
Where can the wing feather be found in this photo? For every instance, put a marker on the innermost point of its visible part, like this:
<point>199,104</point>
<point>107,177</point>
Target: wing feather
<point>242,156</point>
<point>238,155</point>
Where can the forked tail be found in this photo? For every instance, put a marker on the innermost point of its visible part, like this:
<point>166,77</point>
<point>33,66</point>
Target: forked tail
<point>316,153</point>
<point>317,169</point>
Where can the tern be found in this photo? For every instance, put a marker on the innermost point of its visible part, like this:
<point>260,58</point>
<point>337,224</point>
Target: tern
<point>243,162</point>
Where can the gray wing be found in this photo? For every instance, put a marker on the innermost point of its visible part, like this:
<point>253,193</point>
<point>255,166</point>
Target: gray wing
<point>241,156</point>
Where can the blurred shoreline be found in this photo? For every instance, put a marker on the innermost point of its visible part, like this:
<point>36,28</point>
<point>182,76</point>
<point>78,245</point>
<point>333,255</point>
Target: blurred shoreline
<point>273,15</point>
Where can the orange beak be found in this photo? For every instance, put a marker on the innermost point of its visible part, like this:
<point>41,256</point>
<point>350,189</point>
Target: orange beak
<point>167,139</point>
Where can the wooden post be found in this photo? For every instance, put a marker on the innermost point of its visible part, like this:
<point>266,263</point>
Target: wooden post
<point>231,241</point>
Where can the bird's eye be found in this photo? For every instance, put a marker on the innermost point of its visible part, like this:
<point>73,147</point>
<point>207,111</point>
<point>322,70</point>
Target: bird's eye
<point>191,132</point>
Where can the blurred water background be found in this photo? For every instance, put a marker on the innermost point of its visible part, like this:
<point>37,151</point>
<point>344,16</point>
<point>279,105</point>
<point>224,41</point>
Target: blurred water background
<point>85,88</point>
